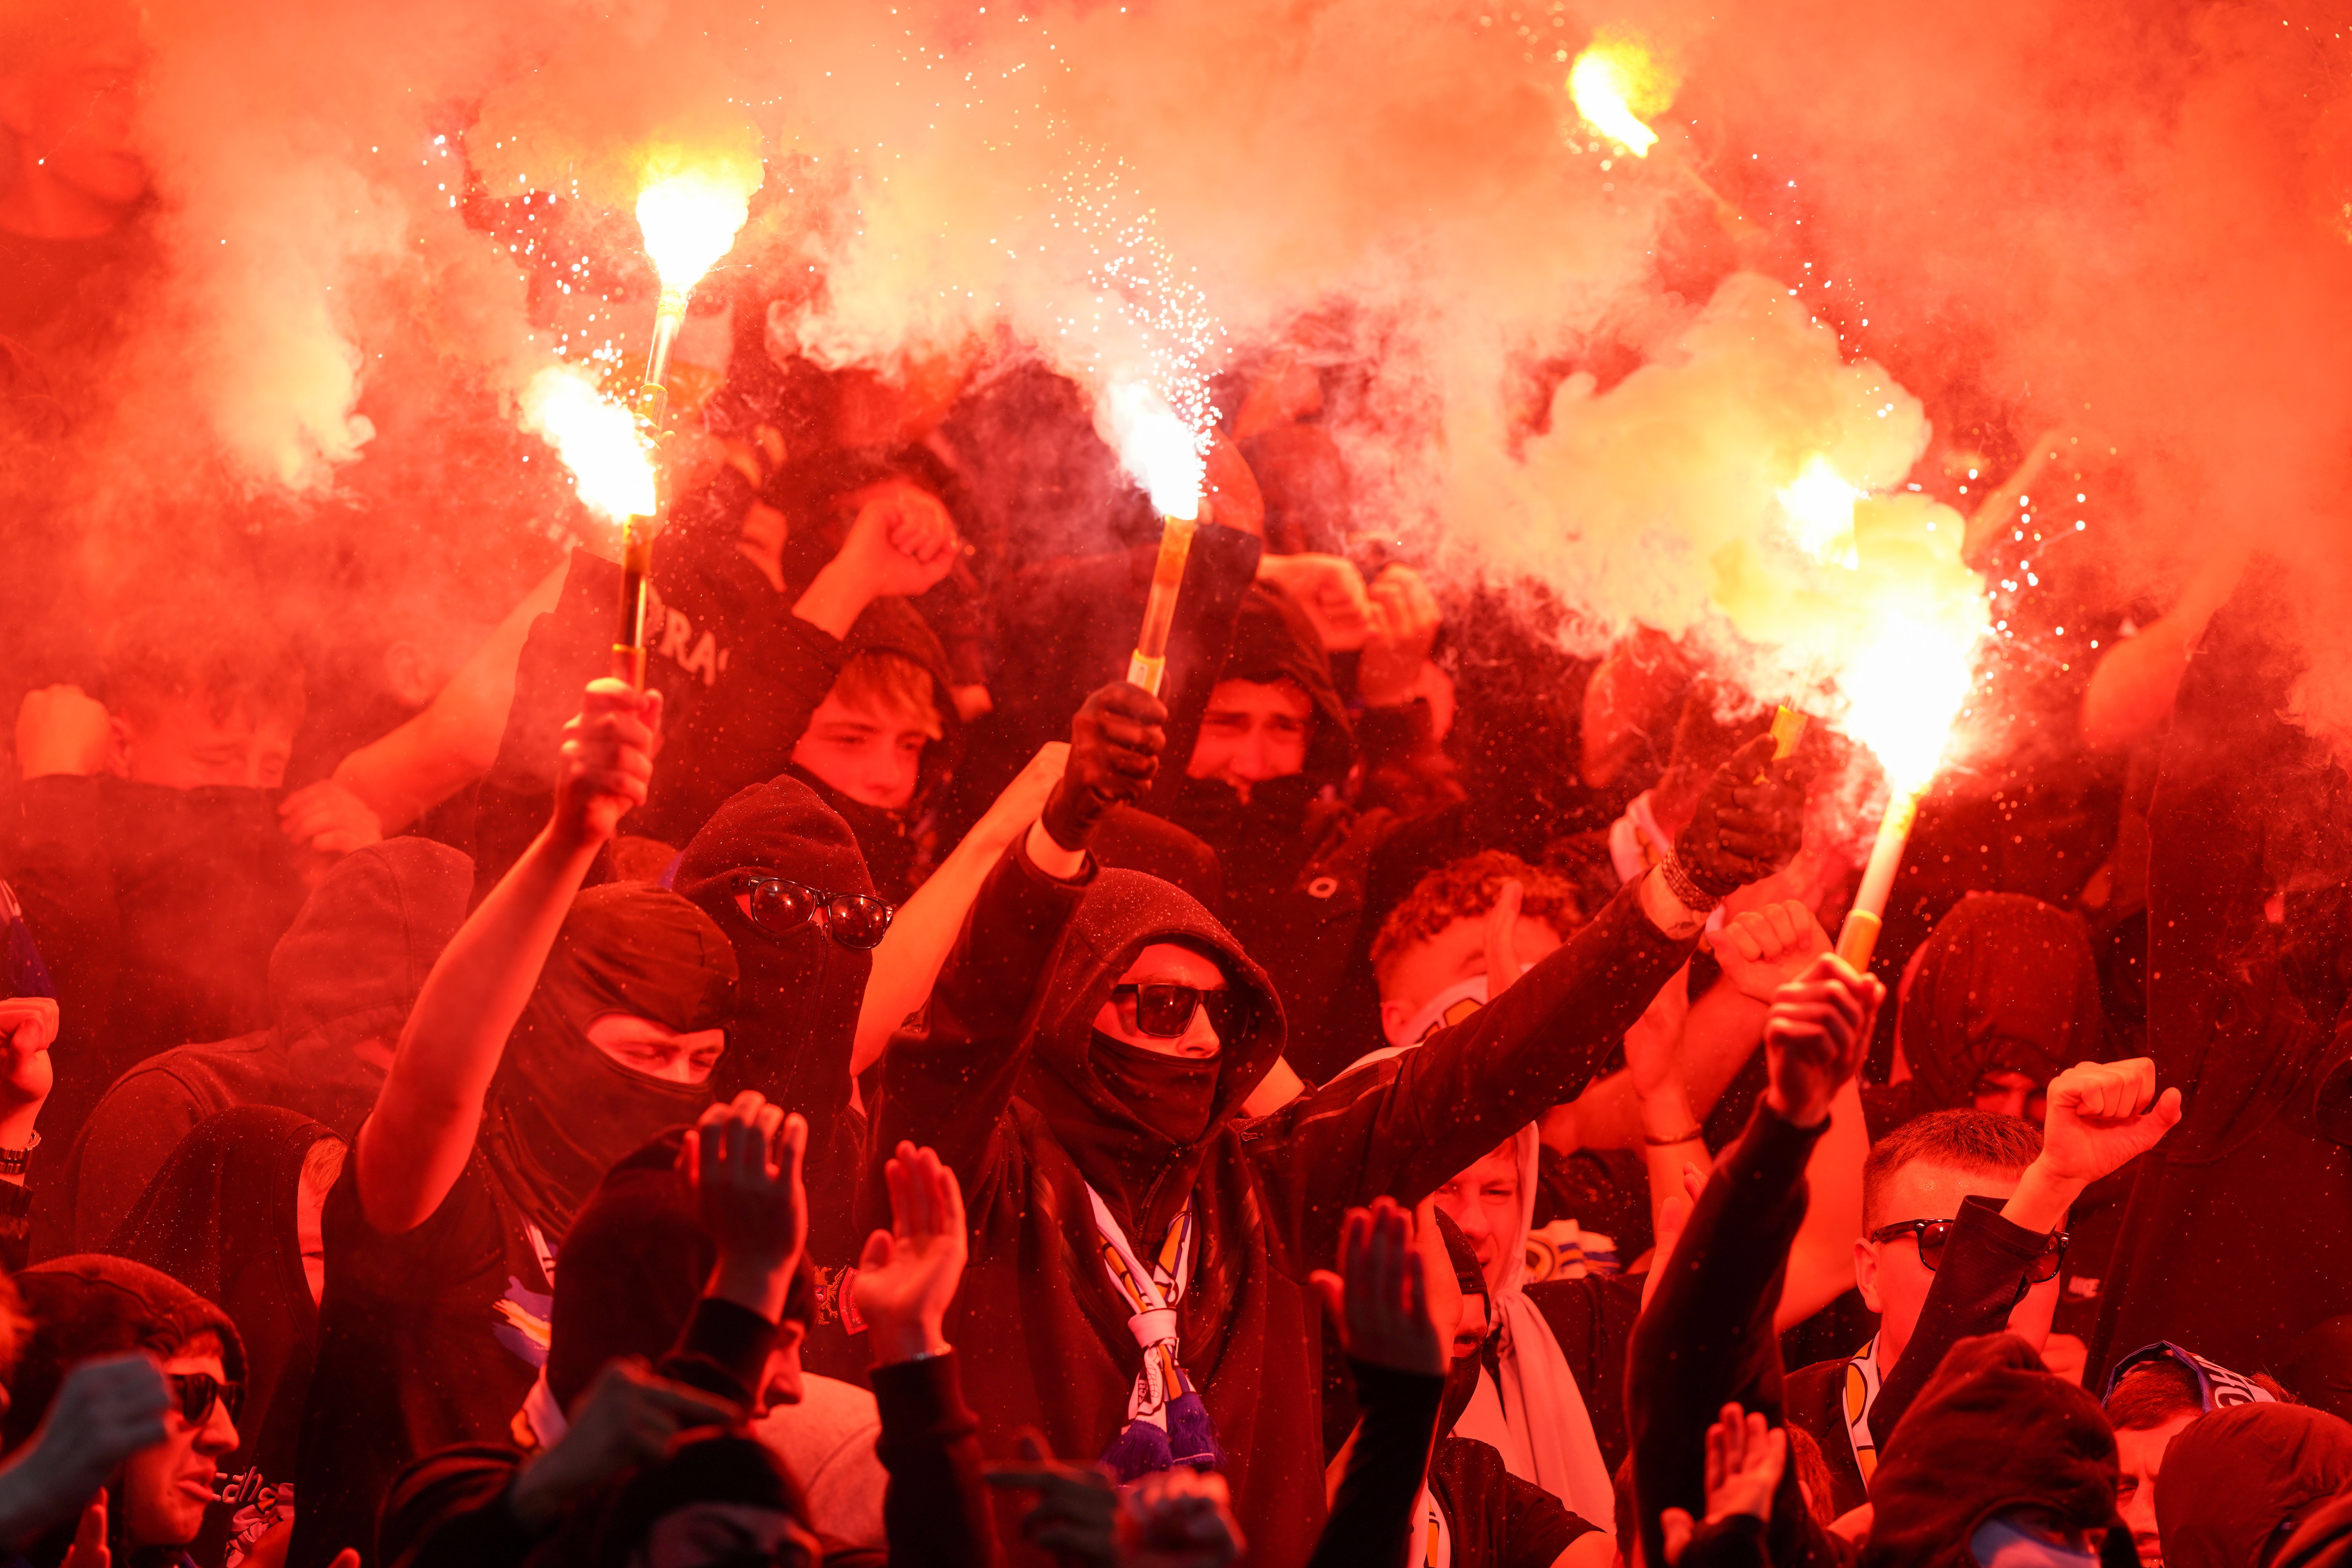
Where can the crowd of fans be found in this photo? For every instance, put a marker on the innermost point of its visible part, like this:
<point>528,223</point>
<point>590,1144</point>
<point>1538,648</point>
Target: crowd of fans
<point>891,1091</point>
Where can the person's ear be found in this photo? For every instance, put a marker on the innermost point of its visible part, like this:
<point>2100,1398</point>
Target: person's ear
<point>1866,1273</point>
<point>1394,1018</point>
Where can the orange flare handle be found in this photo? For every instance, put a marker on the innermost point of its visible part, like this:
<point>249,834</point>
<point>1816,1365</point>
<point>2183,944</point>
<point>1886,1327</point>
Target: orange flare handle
<point>629,637</point>
<point>1148,664</point>
<point>1788,729</point>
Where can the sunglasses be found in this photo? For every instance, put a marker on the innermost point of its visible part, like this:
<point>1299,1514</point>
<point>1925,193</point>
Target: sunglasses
<point>781,908</point>
<point>1165,1012</point>
<point>200,1391</point>
<point>1932,1233</point>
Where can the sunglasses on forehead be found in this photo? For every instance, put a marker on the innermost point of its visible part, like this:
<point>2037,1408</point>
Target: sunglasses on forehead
<point>780,907</point>
<point>198,1392</point>
<point>1934,1234</point>
<point>1165,1012</point>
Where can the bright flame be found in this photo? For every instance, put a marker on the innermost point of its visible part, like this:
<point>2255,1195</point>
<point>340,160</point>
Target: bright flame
<point>596,439</point>
<point>689,217</point>
<point>1904,689</point>
<point>1820,505</point>
<point>1159,448</point>
<point>1614,81</point>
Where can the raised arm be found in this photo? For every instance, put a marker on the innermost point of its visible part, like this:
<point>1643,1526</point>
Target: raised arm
<point>418,1140</point>
<point>925,928</point>
<point>947,1075</point>
<point>452,742</point>
<point>1706,1336</point>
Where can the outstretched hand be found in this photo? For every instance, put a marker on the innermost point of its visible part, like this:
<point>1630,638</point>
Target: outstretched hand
<point>1745,1461</point>
<point>1178,1519</point>
<point>606,762</point>
<point>1379,1298</point>
<point>743,1162</point>
<point>1749,821</point>
<point>1116,740</point>
<point>1816,1037</point>
<point>105,1411</point>
<point>1075,1516</point>
<point>909,1274</point>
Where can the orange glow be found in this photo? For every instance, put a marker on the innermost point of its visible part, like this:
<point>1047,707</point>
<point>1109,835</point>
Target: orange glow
<point>1820,505</point>
<point>1159,448</point>
<point>1614,82</point>
<point>690,216</point>
<point>597,440</point>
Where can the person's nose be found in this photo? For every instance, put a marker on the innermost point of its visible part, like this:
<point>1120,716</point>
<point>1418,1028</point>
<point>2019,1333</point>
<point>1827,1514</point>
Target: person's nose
<point>1250,761</point>
<point>219,1432</point>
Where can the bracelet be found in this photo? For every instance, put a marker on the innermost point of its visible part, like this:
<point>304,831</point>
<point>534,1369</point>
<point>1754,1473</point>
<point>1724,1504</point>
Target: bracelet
<point>1693,898</point>
<point>14,1161</point>
<point>1695,1135</point>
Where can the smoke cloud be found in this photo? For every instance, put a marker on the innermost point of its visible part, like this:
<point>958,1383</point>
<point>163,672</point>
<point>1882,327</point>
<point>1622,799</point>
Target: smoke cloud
<point>2131,224</point>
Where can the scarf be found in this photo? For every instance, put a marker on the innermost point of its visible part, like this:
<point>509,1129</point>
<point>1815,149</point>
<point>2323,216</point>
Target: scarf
<point>1167,1424</point>
<point>1857,1392</point>
<point>2217,1388</point>
<point>1173,1096</point>
<point>561,1112</point>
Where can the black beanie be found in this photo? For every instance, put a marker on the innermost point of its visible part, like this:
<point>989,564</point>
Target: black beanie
<point>90,1305</point>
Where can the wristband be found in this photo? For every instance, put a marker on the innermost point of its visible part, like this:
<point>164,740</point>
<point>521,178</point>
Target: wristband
<point>1695,1135</point>
<point>1691,896</point>
<point>15,1162</point>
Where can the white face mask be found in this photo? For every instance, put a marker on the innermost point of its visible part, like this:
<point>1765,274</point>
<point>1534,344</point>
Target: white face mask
<point>1451,1006</point>
<point>2000,1544</point>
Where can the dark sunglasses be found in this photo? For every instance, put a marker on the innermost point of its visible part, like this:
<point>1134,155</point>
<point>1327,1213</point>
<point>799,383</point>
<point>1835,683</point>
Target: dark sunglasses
<point>200,1391</point>
<point>1932,1233</point>
<point>1165,1012</point>
<point>781,908</point>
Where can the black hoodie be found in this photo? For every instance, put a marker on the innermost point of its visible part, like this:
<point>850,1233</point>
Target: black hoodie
<point>341,981</point>
<point>1009,1024</point>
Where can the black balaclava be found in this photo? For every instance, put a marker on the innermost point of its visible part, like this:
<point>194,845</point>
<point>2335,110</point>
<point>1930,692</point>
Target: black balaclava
<point>796,1009</point>
<point>2005,983</point>
<point>560,1111</point>
<point>884,840</point>
<point>1462,1373</point>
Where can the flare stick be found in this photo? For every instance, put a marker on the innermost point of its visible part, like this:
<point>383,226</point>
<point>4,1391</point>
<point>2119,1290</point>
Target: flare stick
<point>1858,938</point>
<point>1148,664</point>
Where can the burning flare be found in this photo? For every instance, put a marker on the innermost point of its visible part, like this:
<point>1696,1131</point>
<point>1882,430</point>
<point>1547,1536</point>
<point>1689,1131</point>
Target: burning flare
<point>1820,505</point>
<point>1614,82</point>
<point>689,217</point>
<point>1159,448</point>
<point>597,440</point>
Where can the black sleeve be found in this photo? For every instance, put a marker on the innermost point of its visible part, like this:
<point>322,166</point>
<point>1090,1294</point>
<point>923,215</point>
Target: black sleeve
<point>65,880</point>
<point>1371,1518</point>
<point>1734,1542</point>
<point>723,1350</point>
<point>1533,1526</point>
<point>745,734</point>
<point>1981,1277</point>
<point>1707,1335</point>
<point>449,1510</point>
<point>16,1226</point>
<point>935,1512</point>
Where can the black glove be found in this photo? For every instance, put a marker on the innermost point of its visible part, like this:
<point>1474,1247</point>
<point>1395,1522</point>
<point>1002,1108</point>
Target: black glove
<point>1749,823</point>
<point>1115,745</point>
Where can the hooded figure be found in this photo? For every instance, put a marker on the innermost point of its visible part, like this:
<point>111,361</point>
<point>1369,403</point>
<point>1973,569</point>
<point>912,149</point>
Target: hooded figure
<point>224,1217</point>
<point>1081,1156</point>
<point>2006,984</point>
<point>88,1306</point>
<point>796,1006</point>
<point>1297,862</point>
<point>1992,1433</point>
<point>2237,1482</point>
<point>436,1335</point>
<point>341,981</point>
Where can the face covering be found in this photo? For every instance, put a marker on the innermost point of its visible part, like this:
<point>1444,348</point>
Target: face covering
<point>560,1111</point>
<point>1173,1096</point>
<point>883,835</point>
<point>1997,1544</point>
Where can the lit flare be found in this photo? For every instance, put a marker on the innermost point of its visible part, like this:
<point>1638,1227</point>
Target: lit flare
<point>1159,448</point>
<point>1614,82</point>
<point>690,216</point>
<point>1820,504</point>
<point>597,440</point>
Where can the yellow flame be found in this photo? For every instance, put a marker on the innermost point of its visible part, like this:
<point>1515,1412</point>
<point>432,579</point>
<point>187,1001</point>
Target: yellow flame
<point>597,440</point>
<point>1820,505</point>
<point>1614,82</point>
<point>1159,448</point>
<point>690,216</point>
